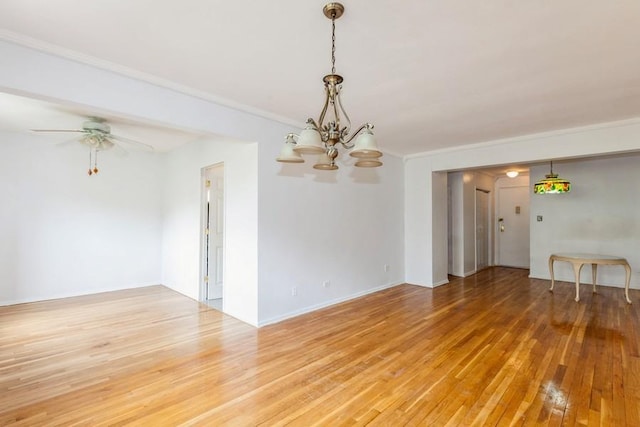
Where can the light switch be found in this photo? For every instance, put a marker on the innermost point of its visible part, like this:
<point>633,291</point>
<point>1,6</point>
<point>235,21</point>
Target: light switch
<point>539,218</point>
<point>517,209</point>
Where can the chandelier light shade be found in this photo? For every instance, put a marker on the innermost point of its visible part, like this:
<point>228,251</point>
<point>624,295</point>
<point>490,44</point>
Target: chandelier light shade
<point>368,163</point>
<point>552,184</point>
<point>333,128</point>
<point>324,163</point>
<point>287,154</point>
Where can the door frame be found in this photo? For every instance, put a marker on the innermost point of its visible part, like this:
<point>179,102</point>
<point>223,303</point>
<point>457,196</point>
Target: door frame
<point>488,227</point>
<point>203,291</point>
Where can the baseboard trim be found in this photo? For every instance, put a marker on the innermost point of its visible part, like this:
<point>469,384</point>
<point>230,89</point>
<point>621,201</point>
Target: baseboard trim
<point>64,295</point>
<point>315,307</point>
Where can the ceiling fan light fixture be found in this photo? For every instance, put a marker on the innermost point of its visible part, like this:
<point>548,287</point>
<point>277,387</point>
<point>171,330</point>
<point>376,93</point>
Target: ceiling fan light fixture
<point>97,136</point>
<point>334,126</point>
<point>90,140</point>
<point>96,124</point>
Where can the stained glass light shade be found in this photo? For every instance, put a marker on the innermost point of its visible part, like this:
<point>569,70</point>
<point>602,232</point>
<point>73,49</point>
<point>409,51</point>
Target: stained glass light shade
<point>551,184</point>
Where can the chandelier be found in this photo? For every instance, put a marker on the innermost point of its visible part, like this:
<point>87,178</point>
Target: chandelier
<point>333,126</point>
<point>551,184</point>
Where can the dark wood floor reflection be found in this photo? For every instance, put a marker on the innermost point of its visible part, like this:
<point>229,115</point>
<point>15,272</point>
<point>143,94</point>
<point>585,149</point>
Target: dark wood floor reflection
<point>493,349</point>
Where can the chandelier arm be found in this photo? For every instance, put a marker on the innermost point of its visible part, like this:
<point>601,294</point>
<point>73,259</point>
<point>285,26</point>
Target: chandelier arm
<point>311,121</point>
<point>335,110</point>
<point>360,129</point>
<point>291,137</point>
<point>347,128</point>
<point>324,110</point>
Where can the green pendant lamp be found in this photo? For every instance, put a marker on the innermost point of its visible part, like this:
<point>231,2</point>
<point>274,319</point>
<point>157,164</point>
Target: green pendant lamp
<point>551,184</point>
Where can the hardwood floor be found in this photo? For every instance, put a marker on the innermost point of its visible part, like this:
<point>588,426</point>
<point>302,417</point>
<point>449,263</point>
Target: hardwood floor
<point>493,349</point>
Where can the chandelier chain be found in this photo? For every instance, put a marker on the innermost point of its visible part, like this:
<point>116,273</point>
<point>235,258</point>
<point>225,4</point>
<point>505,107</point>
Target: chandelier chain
<point>333,45</point>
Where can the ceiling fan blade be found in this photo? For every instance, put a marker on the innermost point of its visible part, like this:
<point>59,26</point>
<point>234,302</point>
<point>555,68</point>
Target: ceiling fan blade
<point>132,142</point>
<point>119,151</point>
<point>58,130</point>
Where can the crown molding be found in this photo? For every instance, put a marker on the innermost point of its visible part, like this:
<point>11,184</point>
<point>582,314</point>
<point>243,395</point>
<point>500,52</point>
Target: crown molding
<point>93,61</point>
<point>542,135</point>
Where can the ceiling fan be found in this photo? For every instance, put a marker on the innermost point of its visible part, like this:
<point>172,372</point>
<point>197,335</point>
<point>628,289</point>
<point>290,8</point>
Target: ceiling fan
<point>97,136</point>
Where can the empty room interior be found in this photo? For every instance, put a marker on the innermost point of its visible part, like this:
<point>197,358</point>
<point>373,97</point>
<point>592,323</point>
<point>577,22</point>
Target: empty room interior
<point>308,213</point>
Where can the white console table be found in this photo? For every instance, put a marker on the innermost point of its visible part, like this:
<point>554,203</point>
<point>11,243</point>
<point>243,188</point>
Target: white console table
<point>577,260</point>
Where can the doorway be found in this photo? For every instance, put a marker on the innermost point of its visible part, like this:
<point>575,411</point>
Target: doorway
<point>212,278</point>
<point>482,229</point>
<point>513,226</point>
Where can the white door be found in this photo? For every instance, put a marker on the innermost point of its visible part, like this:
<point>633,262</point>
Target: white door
<point>482,229</point>
<point>214,232</point>
<point>513,226</point>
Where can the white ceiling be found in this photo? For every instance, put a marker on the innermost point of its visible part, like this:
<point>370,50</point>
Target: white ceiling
<point>429,74</point>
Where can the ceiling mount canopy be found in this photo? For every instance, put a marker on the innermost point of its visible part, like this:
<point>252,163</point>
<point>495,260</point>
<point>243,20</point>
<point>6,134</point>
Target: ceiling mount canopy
<point>334,126</point>
<point>552,184</point>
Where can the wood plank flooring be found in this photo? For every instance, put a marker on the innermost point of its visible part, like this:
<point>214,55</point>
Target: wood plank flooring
<point>496,348</point>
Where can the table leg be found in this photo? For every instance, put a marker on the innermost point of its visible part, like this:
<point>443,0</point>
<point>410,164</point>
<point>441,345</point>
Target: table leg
<point>627,268</point>
<point>594,273</point>
<point>577,266</point>
<point>551,259</point>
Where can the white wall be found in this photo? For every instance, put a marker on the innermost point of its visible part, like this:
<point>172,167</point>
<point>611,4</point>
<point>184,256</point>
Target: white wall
<point>32,73</point>
<point>340,227</point>
<point>424,198</point>
<point>418,220</point>
<point>356,217</point>
<point>426,219</point>
<point>595,217</point>
<point>352,253</point>
<point>182,225</point>
<point>64,233</point>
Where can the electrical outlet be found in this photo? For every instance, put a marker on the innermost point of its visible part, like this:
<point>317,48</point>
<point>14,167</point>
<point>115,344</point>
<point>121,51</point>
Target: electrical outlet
<point>294,291</point>
<point>386,268</point>
<point>326,284</point>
